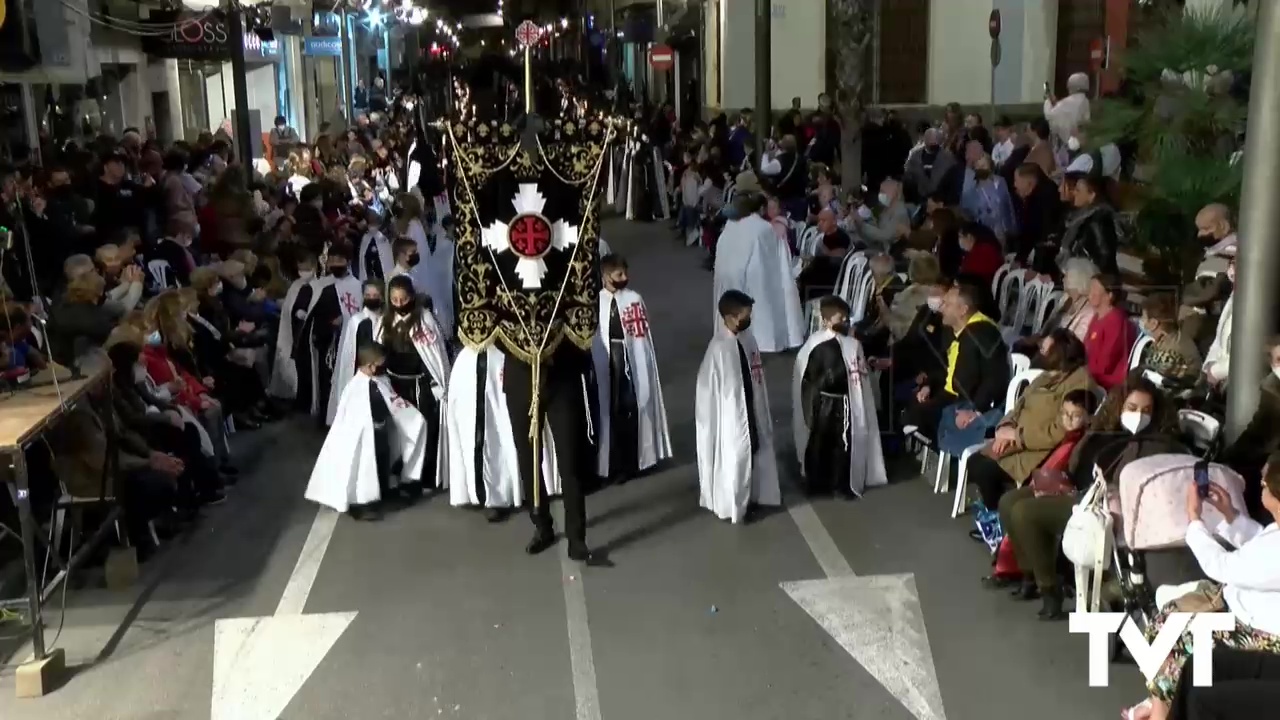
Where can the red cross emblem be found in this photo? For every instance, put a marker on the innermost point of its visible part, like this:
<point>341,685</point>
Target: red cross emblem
<point>530,235</point>
<point>757,368</point>
<point>423,334</point>
<point>349,304</point>
<point>527,33</point>
<point>635,322</point>
<point>857,371</point>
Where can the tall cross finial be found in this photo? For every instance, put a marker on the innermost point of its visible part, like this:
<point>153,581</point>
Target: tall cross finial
<point>528,34</point>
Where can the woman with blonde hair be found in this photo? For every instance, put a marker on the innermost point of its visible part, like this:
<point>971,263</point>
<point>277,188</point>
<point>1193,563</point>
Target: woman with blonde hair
<point>923,274</point>
<point>299,166</point>
<point>79,321</point>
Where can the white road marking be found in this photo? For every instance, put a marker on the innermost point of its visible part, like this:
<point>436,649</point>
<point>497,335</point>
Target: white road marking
<point>303,577</point>
<point>260,663</point>
<point>581,659</point>
<point>824,549</point>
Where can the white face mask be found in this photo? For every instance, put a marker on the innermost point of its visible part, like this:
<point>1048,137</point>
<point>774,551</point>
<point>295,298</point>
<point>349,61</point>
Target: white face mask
<point>1133,421</point>
<point>1073,144</point>
<point>1276,371</point>
<point>935,303</point>
<point>139,374</point>
<point>864,212</point>
<point>306,275</point>
<point>884,199</point>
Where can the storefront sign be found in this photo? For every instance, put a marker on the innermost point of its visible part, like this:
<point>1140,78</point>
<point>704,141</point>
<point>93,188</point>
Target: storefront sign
<point>258,50</point>
<point>322,47</point>
<point>191,38</point>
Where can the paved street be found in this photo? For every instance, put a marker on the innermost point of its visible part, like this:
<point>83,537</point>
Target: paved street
<point>452,620</point>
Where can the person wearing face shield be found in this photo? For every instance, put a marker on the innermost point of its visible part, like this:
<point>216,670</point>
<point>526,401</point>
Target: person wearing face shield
<point>737,469</point>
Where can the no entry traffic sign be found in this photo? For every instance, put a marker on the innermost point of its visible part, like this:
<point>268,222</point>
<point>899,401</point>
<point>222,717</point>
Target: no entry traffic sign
<point>662,57</point>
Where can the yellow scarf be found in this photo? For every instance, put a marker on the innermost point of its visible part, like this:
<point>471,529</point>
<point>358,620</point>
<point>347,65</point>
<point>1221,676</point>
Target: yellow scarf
<point>953,352</point>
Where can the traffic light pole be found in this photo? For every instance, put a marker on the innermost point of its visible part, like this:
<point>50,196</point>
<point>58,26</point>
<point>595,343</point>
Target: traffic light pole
<point>235,36</point>
<point>764,84</point>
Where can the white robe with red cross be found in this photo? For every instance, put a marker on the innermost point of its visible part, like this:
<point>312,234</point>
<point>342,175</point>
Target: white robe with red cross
<point>653,438</point>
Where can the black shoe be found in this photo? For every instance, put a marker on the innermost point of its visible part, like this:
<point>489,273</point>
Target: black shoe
<point>246,422</point>
<point>1051,607</point>
<point>583,554</point>
<point>229,470</point>
<point>366,513</point>
<point>542,539</point>
<point>995,582</point>
<point>411,491</point>
<point>496,514</point>
<point>1026,591</point>
<point>394,501</point>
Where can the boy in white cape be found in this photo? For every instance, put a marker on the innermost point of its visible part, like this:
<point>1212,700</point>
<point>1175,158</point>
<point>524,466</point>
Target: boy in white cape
<point>833,411</point>
<point>737,469</point>
<point>357,330</point>
<point>631,433</point>
<point>372,430</point>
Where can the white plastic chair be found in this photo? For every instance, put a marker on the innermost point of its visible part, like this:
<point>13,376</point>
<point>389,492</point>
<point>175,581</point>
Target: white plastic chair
<point>1048,306</point>
<point>1202,428</point>
<point>160,273</point>
<point>997,282</point>
<point>807,239</point>
<point>1018,385</point>
<point>730,189</point>
<point>852,268</point>
<point>1139,347</point>
<point>1029,298</point>
<point>1019,363</point>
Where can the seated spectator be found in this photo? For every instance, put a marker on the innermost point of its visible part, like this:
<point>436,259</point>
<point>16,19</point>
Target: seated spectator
<point>1245,582</point>
<point>243,304</point>
<point>1217,362</point>
<point>1173,355</point>
<point>873,329</point>
<point>1047,494</point>
<point>1111,334</point>
<point>1039,220</point>
<point>1261,437</point>
<point>823,270</point>
<point>987,200</point>
<point>15,328</point>
<point>891,224</point>
<point>1246,685</point>
<point>1074,313</point>
<point>174,248</point>
<point>1203,298</point>
<point>982,253</point>
<point>225,353</point>
<point>1091,227</point>
<point>970,400</point>
<point>923,276</point>
<point>1033,427</point>
<point>78,321</point>
<point>124,280</point>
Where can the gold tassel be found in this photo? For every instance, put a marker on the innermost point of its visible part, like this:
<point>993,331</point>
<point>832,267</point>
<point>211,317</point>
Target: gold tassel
<point>535,429</point>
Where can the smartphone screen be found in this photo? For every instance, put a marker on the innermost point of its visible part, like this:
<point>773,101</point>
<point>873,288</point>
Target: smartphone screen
<point>1202,479</point>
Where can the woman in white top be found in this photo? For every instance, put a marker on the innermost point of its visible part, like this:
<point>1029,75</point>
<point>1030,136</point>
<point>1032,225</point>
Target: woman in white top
<point>1247,583</point>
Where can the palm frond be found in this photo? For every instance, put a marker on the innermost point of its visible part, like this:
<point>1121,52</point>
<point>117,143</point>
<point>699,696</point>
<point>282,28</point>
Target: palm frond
<point>1192,40</point>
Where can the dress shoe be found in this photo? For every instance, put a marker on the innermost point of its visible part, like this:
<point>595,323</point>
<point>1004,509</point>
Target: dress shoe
<point>366,513</point>
<point>542,539</point>
<point>1027,590</point>
<point>1051,607</point>
<point>583,554</point>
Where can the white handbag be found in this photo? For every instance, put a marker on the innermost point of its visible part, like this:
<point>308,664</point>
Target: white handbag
<point>1087,540</point>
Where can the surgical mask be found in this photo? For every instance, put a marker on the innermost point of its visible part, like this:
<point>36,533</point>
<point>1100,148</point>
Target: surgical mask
<point>139,374</point>
<point>154,338</point>
<point>306,275</point>
<point>414,260</point>
<point>217,289</point>
<point>1073,144</point>
<point>1134,421</point>
<point>864,212</point>
<point>935,303</point>
<point>339,271</point>
<point>884,199</point>
<point>373,304</point>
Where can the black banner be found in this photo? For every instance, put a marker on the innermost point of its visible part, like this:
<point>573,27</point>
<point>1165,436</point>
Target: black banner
<point>527,234</point>
<point>202,37</point>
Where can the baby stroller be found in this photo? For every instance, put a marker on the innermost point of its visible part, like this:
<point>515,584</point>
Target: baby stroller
<point>1150,545</point>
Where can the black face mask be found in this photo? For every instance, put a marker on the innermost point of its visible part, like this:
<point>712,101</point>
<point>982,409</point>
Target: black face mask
<point>840,328</point>
<point>620,284</point>
<point>744,324</point>
<point>402,309</point>
<point>339,271</point>
<point>373,304</point>
<point>982,174</point>
<point>414,260</point>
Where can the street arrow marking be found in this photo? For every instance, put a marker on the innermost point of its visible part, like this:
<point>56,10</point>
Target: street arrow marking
<point>877,620</point>
<point>260,663</point>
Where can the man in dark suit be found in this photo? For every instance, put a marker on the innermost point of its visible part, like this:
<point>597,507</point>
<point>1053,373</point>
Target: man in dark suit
<point>1039,212</point>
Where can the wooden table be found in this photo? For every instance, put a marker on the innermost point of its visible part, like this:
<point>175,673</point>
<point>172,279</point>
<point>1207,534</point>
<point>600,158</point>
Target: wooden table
<point>24,415</point>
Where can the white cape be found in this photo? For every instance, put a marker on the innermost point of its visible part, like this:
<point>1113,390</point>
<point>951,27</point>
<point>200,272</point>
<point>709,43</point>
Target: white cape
<point>380,241</point>
<point>344,367</point>
<point>430,345</point>
<point>346,470</point>
<point>866,457</point>
<point>284,371</point>
<point>433,275</point>
<point>499,468</point>
<point>750,258</point>
<point>729,477</point>
<point>654,439</point>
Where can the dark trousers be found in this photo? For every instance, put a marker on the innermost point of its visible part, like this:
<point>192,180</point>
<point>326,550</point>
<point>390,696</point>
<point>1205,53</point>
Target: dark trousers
<point>1034,527</point>
<point>623,420</point>
<point>418,392</point>
<point>145,494</point>
<point>562,407</point>
<point>990,479</point>
<point>926,415</point>
<point>381,416</point>
<point>1246,685</point>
